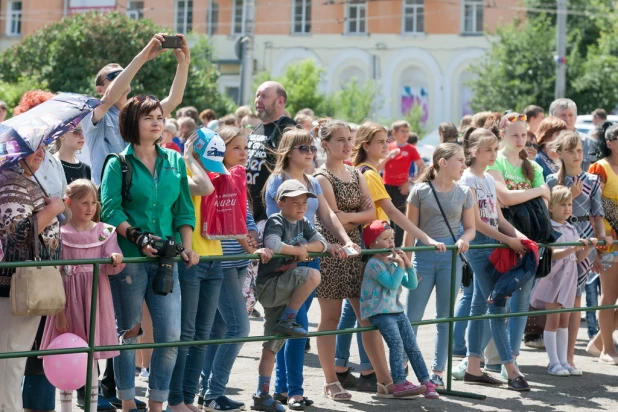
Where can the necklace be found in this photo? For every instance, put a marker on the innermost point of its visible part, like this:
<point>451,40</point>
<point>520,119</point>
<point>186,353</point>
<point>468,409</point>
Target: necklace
<point>81,231</point>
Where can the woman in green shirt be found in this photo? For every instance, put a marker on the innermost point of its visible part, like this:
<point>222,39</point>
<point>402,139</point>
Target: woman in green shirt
<point>518,180</point>
<point>161,205</point>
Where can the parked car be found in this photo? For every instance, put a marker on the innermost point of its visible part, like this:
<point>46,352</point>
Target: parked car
<point>584,125</point>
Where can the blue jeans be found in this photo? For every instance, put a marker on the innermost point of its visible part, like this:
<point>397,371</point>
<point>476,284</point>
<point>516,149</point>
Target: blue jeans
<point>396,330</point>
<point>593,289</point>
<point>462,309</point>
<point>478,336</point>
<point>231,321</point>
<point>290,360</point>
<point>519,302</point>
<point>435,270</point>
<point>129,290</point>
<point>200,286</point>
<point>342,353</point>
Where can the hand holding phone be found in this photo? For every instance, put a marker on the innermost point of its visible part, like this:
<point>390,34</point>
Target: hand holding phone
<point>172,42</point>
<point>350,251</point>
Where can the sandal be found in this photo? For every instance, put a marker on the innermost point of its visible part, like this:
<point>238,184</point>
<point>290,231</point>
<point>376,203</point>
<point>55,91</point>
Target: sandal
<point>386,393</point>
<point>284,399</point>
<point>342,395</point>
<point>295,405</point>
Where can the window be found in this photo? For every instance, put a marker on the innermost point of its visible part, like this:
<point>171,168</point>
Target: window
<point>413,11</point>
<point>184,16</point>
<point>135,10</point>
<point>239,18</point>
<point>301,23</point>
<point>473,16</point>
<point>13,21</point>
<point>213,19</point>
<point>356,17</point>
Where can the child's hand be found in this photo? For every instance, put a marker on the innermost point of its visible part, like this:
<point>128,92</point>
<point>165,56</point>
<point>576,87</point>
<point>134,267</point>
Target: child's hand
<point>577,187</point>
<point>62,324</point>
<point>265,254</point>
<point>301,253</point>
<point>462,245</point>
<point>116,259</point>
<point>439,245</point>
<point>406,260</point>
<point>252,240</point>
<point>516,245</point>
<point>608,241</point>
<point>336,251</point>
<point>592,242</point>
<point>396,257</point>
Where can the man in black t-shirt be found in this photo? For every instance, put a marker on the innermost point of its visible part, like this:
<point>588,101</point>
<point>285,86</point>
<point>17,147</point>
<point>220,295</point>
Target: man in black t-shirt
<point>270,100</point>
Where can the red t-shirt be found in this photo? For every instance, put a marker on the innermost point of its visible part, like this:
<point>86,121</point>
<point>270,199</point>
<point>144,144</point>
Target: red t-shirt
<point>396,170</point>
<point>172,146</point>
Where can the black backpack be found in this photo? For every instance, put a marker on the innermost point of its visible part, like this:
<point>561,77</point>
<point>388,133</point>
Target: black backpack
<point>127,174</point>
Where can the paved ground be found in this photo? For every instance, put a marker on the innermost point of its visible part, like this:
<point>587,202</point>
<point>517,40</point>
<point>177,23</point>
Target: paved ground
<point>596,390</point>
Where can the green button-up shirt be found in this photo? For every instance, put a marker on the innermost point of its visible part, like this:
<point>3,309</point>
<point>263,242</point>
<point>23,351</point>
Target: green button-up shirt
<point>160,204</point>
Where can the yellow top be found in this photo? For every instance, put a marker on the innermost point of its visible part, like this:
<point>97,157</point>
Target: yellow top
<point>201,245</point>
<point>376,189</point>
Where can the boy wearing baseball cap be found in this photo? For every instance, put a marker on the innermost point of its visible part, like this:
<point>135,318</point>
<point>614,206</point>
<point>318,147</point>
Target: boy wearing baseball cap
<point>282,286</point>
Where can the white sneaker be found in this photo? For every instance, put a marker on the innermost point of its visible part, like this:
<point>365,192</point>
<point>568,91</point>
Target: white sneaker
<point>557,370</point>
<point>593,350</point>
<point>144,375</point>
<point>573,371</point>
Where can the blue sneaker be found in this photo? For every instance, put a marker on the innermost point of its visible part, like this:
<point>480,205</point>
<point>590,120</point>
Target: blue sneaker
<point>437,380</point>
<point>221,403</point>
<point>289,328</point>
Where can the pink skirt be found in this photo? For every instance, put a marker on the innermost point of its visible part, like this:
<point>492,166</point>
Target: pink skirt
<point>78,289</point>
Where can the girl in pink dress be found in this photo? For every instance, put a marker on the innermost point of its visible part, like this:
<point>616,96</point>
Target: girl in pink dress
<point>84,237</point>
<point>557,290</point>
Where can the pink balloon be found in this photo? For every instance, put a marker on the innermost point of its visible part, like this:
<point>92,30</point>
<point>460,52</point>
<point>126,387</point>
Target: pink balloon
<point>66,372</point>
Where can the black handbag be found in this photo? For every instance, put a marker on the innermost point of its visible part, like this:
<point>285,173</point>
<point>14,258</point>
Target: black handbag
<point>466,270</point>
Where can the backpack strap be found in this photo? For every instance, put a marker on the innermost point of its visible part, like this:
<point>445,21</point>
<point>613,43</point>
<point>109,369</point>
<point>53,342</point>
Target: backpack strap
<point>364,168</point>
<point>127,174</point>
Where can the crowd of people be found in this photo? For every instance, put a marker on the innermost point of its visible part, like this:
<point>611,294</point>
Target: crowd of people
<point>313,185</point>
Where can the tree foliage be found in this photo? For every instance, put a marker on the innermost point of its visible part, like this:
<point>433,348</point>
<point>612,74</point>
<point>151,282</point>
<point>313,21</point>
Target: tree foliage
<point>67,55</point>
<point>354,102</point>
<point>519,68</point>
<point>12,92</point>
<point>414,117</point>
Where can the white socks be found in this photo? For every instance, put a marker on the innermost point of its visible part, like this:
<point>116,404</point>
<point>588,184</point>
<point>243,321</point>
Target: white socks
<point>562,343</point>
<point>551,347</point>
<point>66,398</point>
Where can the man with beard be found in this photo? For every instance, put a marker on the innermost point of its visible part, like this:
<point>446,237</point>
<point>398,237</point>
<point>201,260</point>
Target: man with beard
<point>270,100</point>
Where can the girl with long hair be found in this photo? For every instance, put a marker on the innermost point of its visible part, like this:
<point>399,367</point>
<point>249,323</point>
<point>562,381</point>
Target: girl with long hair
<point>434,188</point>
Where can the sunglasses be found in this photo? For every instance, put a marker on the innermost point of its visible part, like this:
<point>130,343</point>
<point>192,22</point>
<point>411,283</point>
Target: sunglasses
<point>77,132</point>
<point>143,97</point>
<point>305,149</point>
<point>112,75</point>
<point>532,145</point>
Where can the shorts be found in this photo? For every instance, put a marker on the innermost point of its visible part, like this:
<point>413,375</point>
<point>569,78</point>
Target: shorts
<point>274,295</point>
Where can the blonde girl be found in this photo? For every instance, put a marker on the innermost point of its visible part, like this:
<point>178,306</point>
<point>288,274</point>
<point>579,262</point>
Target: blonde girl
<point>85,237</point>
<point>587,218</point>
<point>518,180</point>
<point>294,154</point>
<point>435,270</point>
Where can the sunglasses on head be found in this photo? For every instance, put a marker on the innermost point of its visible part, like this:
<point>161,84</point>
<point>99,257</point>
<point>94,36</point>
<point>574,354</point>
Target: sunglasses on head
<point>532,145</point>
<point>304,149</point>
<point>143,97</point>
<point>112,75</point>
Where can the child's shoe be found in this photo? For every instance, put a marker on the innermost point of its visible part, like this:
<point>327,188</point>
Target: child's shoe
<point>437,380</point>
<point>573,371</point>
<point>266,403</point>
<point>289,328</point>
<point>557,370</point>
<point>430,391</point>
<point>406,389</point>
<point>460,370</point>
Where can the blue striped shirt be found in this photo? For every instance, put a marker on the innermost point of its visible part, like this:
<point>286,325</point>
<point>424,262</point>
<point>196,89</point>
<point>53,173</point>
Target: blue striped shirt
<point>232,247</point>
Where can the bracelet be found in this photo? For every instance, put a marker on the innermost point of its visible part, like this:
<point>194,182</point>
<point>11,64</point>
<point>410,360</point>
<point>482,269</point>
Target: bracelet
<point>133,234</point>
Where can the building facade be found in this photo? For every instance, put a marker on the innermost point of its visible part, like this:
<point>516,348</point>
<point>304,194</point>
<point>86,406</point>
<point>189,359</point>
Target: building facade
<point>417,51</point>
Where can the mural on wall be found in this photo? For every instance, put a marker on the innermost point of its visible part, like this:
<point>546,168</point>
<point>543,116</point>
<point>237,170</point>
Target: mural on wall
<point>411,96</point>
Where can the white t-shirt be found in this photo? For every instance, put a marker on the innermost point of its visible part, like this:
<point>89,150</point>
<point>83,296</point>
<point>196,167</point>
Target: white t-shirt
<point>485,188</point>
<point>51,176</point>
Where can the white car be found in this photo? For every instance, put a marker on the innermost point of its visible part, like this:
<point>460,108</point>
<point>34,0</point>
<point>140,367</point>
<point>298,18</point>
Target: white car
<point>584,125</point>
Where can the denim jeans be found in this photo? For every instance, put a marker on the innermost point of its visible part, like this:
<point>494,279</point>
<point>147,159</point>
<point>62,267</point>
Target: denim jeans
<point>231,321</point>
<point>462,309</point>
<point>593,289</point>
<point>290,360</point>
<point>200,286</point>
<point>519,302</point>
<point>342,348</point>
<point>478,336</point>
<point>396,330</point>
<point>435,270</point>
<point>129,290</point>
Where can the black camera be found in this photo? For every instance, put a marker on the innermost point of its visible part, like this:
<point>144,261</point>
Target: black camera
<point>167,250</point>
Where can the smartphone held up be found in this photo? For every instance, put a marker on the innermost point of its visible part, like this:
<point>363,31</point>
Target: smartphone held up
<point>172,42</point>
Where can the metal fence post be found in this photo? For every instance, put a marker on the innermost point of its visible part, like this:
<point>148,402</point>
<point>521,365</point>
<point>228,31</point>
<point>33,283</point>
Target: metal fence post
<point>91,331</point>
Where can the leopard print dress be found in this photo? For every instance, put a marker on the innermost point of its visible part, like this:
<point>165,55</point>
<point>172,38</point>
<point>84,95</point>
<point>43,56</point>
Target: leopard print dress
<point>341,278</point>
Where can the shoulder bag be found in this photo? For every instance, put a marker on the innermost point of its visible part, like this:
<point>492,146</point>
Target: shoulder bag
<point>37,290</point>
<point>466,270</point>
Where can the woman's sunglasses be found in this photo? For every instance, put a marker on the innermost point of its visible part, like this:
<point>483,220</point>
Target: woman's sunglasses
<point>533,145</point>
<point>77,132</point>
<point>305,149</point>
<point>143,97</point>
<point>112,75</point>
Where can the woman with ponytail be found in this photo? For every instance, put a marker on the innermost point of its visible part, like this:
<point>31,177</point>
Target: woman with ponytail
<point>438,183</point>
<point>518,180</point>
<point>587,209</point>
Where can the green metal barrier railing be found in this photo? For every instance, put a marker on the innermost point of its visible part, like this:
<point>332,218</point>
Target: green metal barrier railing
<point>91,349</point>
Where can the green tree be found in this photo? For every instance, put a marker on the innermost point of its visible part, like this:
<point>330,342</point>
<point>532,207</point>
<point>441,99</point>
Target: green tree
<point>67,55</point>
<point>354,102</point>
<point>12,92</point>
<point>414,117</point>
<point>519,68</point>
